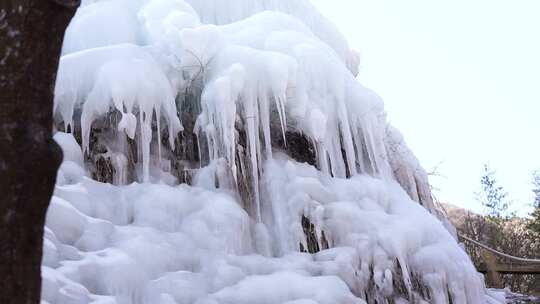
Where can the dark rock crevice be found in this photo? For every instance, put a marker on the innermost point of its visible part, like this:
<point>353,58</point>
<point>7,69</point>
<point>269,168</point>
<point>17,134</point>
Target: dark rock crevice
<point>314,242</point>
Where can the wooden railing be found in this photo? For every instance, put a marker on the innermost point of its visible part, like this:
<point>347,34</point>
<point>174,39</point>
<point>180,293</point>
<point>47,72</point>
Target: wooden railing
<point>496,263</point>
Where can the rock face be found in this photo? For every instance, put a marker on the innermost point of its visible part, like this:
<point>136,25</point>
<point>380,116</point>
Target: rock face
<point>30,40</point>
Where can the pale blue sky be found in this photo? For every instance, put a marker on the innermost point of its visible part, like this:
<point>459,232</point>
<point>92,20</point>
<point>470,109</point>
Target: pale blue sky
<point>460,79</point>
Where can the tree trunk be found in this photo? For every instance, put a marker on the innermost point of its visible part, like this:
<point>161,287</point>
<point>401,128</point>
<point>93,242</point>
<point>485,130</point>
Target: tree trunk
<point>31,33</point>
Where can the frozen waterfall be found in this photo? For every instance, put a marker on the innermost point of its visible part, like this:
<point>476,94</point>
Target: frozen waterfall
<point>224,152</point>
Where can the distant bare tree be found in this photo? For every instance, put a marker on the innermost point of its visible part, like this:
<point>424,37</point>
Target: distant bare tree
<point>534,223</point>
<point>31,34</point>
<point>492,196</point>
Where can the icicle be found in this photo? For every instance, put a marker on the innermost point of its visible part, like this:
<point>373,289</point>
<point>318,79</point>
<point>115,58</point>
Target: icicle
<point>252,132</point>
<point>199,148</point>
<point>231,157</point>
<point>280,105</point>
<point>406,276</point>
<point>368,144</point>
<point>264,114</point>
<point>119,162</point>
<point>323,158</point>
<point>210,143</point>
<point>146,138</point>
<point>346,139</point>
<point>358,144</point>
<point>158,118</point>
<point>67,116</point>
<point>95,105</point>
<point>198,131</point>
<point>336,162</point>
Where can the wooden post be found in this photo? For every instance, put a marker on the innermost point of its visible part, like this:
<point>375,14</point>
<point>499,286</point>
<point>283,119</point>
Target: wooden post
<point>494,278</point>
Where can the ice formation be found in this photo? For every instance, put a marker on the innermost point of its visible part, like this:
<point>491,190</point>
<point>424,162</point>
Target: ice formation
<point>223,152</point>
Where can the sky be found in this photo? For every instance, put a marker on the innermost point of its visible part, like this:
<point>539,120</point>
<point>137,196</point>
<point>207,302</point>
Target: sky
<point>461,81</point>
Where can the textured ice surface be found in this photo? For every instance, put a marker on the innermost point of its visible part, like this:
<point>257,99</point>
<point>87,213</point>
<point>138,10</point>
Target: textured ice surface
<point>256,67</point>
<point>152,243</point>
